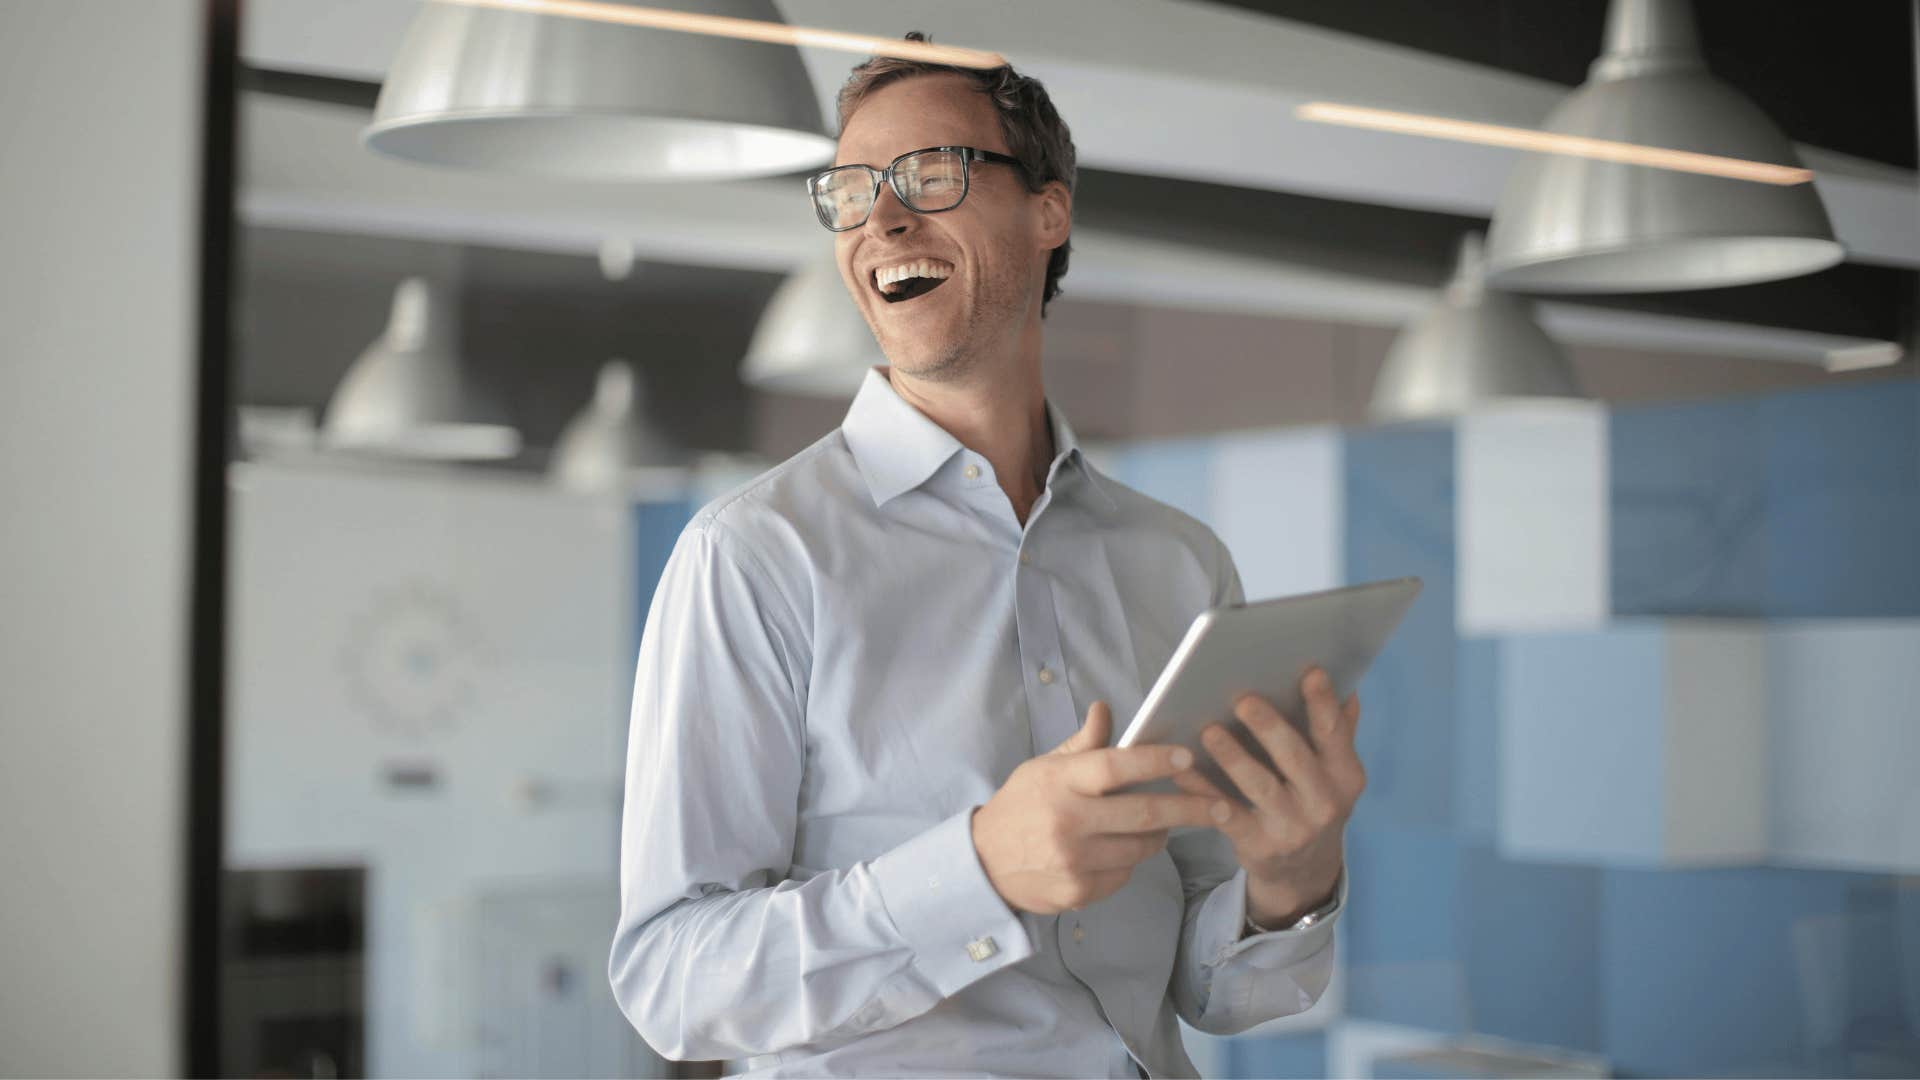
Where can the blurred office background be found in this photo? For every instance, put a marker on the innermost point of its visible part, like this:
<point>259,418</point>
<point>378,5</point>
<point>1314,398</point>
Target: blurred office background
<point>338,471</point>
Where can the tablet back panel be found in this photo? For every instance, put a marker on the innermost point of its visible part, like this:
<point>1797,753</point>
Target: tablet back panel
<point>1264,648</point>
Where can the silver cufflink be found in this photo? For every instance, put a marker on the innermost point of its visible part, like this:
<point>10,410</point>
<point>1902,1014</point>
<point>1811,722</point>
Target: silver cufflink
<point>981,948</point>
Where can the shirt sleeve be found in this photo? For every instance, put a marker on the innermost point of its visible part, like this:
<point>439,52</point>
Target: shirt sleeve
<point>717,953</point>
<point>1223,983</point>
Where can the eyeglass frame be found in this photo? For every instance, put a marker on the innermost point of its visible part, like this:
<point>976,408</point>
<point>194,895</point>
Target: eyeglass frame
<point>968,155</point>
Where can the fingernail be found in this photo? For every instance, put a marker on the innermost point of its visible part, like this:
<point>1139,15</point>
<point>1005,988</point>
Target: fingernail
<point>1221,811</point>
<point>1182,757</point>
<point>1320,680</point>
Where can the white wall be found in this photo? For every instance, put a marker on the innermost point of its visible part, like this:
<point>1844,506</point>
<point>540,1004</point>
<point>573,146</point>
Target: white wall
<point>99,181</point>
<point>480,628</point>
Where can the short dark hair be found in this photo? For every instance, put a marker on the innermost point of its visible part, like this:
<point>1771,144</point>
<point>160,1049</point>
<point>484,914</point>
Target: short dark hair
<point>1034,131</point>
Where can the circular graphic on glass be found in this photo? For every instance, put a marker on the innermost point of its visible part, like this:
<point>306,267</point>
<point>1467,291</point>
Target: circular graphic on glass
<point>411,661</point>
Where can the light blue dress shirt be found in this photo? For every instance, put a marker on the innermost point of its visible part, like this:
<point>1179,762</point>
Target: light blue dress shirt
<point>843,659</point>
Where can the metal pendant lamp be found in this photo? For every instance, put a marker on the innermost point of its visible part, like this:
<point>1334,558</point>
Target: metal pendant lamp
<point>609,447</point>
<point>1579,224</point>
<point>406,396</point>
<point>811,340</point>
<point>1477,347</point>
<point>548,95</point>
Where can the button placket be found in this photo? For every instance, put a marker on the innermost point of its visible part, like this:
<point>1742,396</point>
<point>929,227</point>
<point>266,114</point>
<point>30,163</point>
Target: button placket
<point>1050,711</point>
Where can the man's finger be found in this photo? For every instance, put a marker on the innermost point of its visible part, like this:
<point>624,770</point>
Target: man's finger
<point>1195,782</point>
<point>1096,772</point>
<point>1323,707</point>
<point>1299,766</point>
<point>1120,852</point>
<point>1254,779</point>
<point>1094,732</point>
<point>1148,813</point>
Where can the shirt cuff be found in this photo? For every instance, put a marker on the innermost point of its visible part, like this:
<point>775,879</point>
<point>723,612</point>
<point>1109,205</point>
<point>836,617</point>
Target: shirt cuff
<point>1225,914</point>
<point>940,900</point>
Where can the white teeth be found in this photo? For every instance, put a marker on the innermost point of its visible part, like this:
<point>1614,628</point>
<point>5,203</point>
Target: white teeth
<point>887,276</point>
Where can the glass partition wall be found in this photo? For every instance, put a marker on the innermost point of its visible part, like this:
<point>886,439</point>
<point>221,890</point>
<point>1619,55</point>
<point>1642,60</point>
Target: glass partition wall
<point>433,629</point>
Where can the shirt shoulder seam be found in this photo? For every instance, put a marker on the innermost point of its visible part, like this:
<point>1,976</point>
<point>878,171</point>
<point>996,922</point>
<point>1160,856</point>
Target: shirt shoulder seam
<point>720,506</point>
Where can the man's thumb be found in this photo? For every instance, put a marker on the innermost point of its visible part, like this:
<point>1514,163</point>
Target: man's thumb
<point>1094,734</point>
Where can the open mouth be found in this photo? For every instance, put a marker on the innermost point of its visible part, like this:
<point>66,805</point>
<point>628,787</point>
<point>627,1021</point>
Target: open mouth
<point>910,281</point>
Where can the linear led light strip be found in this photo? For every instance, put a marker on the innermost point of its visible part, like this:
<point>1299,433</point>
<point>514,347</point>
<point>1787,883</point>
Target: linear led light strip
<point>1440,127</point>
<point>746,30</point>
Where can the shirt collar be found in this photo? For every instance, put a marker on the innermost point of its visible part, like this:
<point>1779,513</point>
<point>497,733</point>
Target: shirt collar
<point>897,447</point>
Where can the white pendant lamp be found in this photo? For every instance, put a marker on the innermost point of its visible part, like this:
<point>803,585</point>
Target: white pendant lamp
<point>1477,347</point>
<point>406,395</point>
<point>542,94</point>
<point>811,340</point>
<point>609,447</point>
<point>1580,224</point>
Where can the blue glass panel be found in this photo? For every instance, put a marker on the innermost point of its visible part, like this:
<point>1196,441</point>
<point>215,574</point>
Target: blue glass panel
<point>1476,758</point>
<point>1399,521</point>
<point>1178,472</point>
<point>1753,972</point>
<point>656,527</point>
<point>1533,951</point>
<point>1303,1055</point>
<point>1843,491</point>
<point>1687,529</point>
<point>1583,741</point>
<point>1402,930</point>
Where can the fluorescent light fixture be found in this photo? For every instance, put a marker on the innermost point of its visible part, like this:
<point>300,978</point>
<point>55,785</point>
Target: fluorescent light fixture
<point>1477,348</point>
<point>1546,142</point>
<point>811,340</point>
<point>610,447</point>
<point>516,87</point>
<point>1862,357</point>
<point>771,33</point>
<point>407,395</point>
<point>1576,223</point>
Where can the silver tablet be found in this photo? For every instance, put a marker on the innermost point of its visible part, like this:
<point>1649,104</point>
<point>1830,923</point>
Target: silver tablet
<point>1263,648</point>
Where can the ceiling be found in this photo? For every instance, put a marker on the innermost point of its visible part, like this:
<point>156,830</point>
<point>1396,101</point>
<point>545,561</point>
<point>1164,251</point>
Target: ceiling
<point>1833,75</point>
<point>1198,189</point>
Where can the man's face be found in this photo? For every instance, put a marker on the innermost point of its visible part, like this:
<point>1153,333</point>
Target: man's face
<point>993,246</point>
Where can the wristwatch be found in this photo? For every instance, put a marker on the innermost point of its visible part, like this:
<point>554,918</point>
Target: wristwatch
<point>1311,918</point>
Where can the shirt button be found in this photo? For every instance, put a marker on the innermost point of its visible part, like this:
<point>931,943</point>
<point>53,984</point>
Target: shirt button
<point>971,472</point>
<point>1046,675</point>
<point>1079,934</point>
<point>1025,559</point>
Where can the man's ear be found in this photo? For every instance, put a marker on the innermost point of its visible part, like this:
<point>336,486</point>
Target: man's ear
<point>1056,214</point>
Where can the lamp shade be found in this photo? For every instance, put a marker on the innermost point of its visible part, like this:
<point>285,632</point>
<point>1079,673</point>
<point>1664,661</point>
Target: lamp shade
<point>407,396</point>
<point>563,97</point>
<point>1476,347</point>
<point>610,447</point>
<point>811,339</point>
<point>1579,224</point>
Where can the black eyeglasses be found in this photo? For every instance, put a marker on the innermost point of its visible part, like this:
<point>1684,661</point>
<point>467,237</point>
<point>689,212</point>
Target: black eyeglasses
<point>927,182</point>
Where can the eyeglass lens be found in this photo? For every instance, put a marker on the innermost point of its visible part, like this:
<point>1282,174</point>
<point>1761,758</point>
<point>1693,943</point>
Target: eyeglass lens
<point>930,181</point>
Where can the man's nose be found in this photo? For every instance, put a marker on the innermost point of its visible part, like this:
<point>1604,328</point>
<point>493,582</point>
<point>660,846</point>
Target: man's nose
<point>890,216</point>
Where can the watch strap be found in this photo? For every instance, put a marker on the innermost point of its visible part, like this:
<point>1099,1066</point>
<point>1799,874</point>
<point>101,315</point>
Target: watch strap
<point>1317,915</point>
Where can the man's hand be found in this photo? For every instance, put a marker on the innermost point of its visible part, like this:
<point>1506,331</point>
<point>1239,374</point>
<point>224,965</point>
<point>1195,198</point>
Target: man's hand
<point>1052,838</point>
<point>1290,841</point>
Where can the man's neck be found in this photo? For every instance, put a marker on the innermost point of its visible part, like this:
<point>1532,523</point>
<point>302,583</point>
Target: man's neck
<point>1003,419</point>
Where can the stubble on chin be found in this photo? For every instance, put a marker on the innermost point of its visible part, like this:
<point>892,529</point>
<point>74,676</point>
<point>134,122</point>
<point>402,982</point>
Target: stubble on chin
<point>950,363</point>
